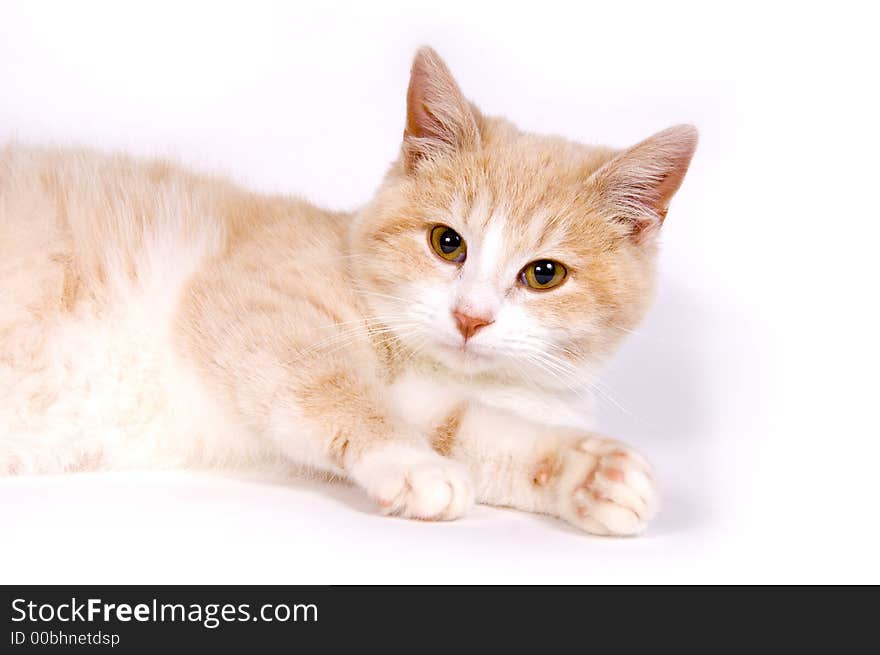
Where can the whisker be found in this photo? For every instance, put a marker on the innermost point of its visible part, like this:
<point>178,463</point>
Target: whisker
<point>365,319</point>
<point>571,377</point>
<point>365,292</point>
<point>354,333</point>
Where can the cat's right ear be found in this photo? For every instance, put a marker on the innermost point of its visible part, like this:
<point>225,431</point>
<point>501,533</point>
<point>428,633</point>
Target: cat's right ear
<point>637,185</point>
<point>439,119</point>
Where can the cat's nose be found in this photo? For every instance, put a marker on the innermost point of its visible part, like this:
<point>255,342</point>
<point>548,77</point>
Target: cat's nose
<point>469,325</point>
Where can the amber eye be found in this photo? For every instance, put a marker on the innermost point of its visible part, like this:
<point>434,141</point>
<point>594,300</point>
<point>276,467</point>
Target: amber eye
<point>543,274</point>
<point>448,243</point>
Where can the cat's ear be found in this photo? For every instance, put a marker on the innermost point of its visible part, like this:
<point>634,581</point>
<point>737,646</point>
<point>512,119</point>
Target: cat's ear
<point>636,186</point>
<point>439,118</point>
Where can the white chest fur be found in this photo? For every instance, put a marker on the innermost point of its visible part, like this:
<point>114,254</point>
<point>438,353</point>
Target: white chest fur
<point>423,401</point>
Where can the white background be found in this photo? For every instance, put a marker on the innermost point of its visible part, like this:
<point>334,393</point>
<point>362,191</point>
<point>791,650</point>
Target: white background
<point>752,385</point>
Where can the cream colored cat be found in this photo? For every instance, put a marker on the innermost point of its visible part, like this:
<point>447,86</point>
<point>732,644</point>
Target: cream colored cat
<point>434,348</point>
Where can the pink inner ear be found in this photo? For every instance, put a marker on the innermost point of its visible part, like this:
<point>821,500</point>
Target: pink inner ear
<point>679,162</point>
<point>639,183</point>
<point>420,122</point>
<point>438,116</point>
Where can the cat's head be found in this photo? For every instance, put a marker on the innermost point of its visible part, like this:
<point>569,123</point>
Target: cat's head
<point>495,251</point>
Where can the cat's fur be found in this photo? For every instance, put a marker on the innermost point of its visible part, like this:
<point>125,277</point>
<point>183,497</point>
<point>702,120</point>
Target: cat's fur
<point>153,317</point>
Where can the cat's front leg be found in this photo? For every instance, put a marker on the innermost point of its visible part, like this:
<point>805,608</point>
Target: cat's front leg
<point>339,420</point>
<point>597,484</point>
<point>347,431</point>
<point>339,423</point>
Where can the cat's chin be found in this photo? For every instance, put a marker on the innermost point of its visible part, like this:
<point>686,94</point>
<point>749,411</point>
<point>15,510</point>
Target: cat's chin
<point>463,358</point>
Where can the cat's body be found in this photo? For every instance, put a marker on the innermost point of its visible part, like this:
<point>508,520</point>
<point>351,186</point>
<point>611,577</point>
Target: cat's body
<point>150,317</point>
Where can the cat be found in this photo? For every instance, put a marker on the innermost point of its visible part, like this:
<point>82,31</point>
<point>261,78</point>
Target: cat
<point>434,348</point>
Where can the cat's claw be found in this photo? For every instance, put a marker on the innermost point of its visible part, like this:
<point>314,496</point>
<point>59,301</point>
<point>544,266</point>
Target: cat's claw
<point>606,488</point>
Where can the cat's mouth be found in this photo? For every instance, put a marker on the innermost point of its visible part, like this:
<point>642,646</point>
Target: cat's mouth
<point>465,353</point>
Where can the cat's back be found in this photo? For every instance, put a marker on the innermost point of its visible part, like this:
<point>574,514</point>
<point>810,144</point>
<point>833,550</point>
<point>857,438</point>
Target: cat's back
<point>96,251</point>
<point>90,221</point>
<point>93,225</point>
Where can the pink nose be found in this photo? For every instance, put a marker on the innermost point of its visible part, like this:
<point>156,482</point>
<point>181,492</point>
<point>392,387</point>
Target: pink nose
<point>468,325</point>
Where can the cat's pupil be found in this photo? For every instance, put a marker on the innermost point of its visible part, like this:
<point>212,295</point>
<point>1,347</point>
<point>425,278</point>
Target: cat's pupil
<point>450,241</point>
<point>544,272</point>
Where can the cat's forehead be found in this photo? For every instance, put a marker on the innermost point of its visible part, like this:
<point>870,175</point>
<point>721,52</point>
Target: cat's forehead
<point>525,211</point>
<point>536,186</point>
<point>501,221</point>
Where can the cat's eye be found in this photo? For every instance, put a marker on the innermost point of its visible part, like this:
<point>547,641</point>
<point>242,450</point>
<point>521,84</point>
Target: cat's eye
<point>543,274</point>
<point>448,243</point>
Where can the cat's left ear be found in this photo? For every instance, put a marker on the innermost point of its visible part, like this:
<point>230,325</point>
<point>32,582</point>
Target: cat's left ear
<point>439,119</point>
<point>636,186</point>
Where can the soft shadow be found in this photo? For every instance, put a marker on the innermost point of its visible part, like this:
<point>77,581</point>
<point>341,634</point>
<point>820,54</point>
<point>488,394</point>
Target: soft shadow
<point>658,385</point>
<point>312,483</point>
<point>681,511</point>
<point>656,378</point>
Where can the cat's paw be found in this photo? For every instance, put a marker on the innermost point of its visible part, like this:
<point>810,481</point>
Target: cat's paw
<point>12,464</point>
<point>606,488</point>
<point>416,483</point>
